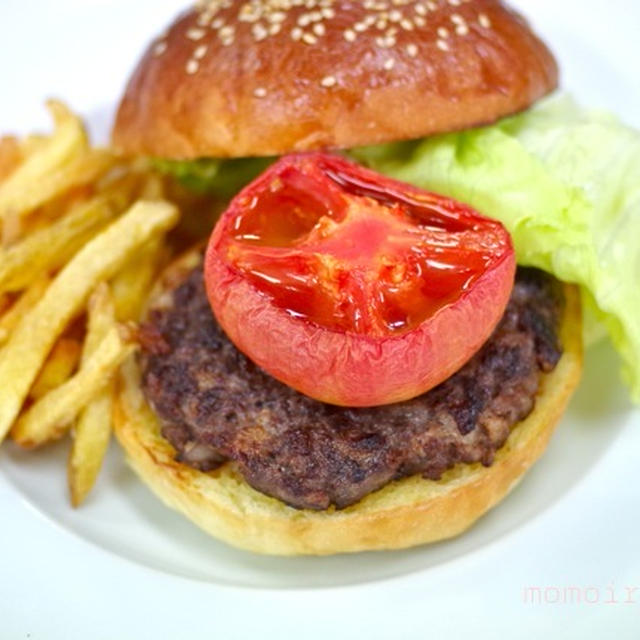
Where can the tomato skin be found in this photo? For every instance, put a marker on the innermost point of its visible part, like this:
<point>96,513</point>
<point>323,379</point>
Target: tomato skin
<point>348,368</point>
<point>354,370</point>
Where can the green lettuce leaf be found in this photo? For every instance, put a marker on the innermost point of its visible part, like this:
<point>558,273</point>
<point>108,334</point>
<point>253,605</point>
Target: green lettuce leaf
<point>221,178</point>
<point>566,183</point>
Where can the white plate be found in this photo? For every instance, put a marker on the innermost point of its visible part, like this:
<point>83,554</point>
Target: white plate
<point>123,566</point>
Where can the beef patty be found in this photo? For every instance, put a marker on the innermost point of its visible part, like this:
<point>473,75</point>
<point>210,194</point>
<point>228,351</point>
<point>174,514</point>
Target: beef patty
<point>217,406</point>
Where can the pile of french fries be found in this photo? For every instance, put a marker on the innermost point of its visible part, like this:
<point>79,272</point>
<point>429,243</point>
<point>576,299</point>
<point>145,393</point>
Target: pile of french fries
<point>83,235</point>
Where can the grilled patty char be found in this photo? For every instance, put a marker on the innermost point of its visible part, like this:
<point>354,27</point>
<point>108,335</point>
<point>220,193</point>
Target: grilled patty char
<point>217,406</point>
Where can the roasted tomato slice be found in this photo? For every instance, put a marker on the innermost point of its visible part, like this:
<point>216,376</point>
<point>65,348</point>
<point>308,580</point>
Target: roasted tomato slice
<point>353,288</point>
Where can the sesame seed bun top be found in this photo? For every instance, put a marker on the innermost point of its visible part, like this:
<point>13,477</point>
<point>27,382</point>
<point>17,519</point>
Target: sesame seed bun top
<point>234,78</point>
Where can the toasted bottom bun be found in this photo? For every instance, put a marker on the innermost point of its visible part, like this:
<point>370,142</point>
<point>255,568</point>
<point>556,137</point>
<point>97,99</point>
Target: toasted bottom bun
<point>403,514</point>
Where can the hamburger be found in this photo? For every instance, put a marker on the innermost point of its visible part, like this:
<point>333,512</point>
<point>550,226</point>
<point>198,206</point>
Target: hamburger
<point>277,412</point>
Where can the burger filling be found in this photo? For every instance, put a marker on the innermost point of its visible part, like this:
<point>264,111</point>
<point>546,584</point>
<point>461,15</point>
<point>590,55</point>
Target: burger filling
<point>217,407</point>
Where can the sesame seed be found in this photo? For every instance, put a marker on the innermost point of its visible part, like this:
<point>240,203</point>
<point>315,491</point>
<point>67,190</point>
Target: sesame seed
<point>200,52</point>
<point>259,32</point>
<point>462,29</point>
<point>387,42</point>
<point>454,3</point>
<point>328,81</point>
<point>160,48</point>
<point>247,14</point>
<point>420,9</point>
<point>442,45</point>
<point>267,17</point>
<point>419,21</point>
<point>407,25</point>
<point>412,50</point>
<point>226,32</point>
<point>388,65</point>
<point>395,16</point>
<point>192,66</point>
<point>360,26</point>
<point>259,92</point>
<point>484,21</point>
<point>443,32</point>
<point>195,34</point>
<point>432,6</point>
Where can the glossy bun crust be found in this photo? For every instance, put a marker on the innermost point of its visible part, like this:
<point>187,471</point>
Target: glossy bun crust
<point>405,513</point>
<point>235,78</point>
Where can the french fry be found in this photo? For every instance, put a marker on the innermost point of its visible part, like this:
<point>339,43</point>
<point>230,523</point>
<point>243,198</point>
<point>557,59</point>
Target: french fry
<point>16,229</point>
<point>51,416</point>
<point>60,243</point>
<point>32,143</point>
<point>49,248</point>
<point>90,444</point>
<point>68,141</point>
<point>5,303</point>
<point>22,306</point>
<point>100,319</point>
<point>10,156</point>
<point>60,364</point>
<point>131,285</point>
<point>79,171</point>
<point>93,428</point>
<point>153,188</point>
<point>30,342</point>
<point>12,229</point>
